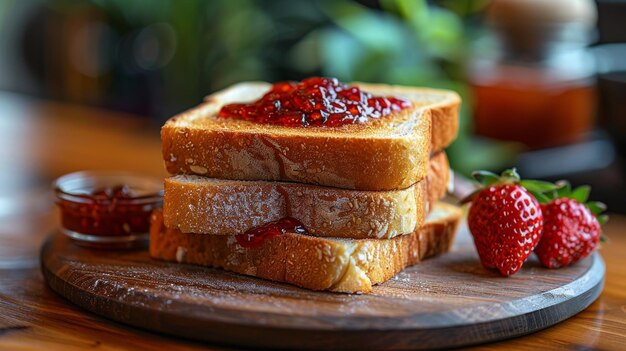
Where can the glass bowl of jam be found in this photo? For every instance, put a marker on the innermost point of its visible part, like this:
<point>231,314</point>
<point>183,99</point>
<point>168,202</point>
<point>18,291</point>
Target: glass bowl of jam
<point>104,209</point>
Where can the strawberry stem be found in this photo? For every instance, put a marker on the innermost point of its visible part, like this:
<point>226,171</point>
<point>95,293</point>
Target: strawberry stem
<point>485,178</point>
<point>510,176</point>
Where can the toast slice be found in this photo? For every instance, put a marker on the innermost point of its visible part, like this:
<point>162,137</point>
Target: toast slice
<point>389,153</point>
<point>194,204</point>
<point>333,264</point>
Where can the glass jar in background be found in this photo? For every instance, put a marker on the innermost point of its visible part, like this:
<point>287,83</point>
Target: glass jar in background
<point>532,76</point>
<point>611,63</point>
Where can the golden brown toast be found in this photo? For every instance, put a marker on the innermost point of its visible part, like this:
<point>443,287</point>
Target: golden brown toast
<point>194,204</point>
<point>333,264</point>
<point>389,153</point>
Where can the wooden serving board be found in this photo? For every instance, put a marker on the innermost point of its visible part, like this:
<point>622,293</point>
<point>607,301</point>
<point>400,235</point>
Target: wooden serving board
<point>442,302</point>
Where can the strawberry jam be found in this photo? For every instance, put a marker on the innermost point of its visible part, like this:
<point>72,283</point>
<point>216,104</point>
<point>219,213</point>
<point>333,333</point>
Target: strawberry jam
<point>255,237</point>
<point>106,210</point>
<point>113,193</point>
<point>315,101</point>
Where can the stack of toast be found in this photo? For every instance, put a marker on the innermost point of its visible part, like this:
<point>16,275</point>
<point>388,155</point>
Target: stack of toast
<point>367,195</point>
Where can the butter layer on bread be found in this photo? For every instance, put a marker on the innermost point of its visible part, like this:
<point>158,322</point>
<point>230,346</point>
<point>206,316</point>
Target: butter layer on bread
<point>194,204</point>
<point>386,154</point>
<point>332,264</point>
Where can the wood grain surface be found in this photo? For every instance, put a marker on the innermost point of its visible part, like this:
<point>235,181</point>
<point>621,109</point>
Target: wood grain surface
<point>447,301</point>
<point>40,140</point>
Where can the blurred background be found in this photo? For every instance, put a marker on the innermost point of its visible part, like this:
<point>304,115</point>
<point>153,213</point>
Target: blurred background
<point>543,82</point>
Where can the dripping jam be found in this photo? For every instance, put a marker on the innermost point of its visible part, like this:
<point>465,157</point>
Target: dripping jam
<point>255,237</point>
<point>316,101</point>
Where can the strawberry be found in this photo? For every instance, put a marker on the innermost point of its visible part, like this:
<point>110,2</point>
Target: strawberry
<point>571,229</point>
<point>505,220</point>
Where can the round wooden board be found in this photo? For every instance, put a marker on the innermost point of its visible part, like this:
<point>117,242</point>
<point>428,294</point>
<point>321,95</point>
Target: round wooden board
<point>446,301</point>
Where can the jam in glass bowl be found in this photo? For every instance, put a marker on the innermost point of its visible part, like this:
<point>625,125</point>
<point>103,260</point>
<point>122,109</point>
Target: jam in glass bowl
<point>107,209</point>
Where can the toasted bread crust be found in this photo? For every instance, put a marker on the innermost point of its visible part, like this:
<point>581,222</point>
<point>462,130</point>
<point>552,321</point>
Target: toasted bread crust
<point>339,265</point>
<point>194,204</point>
<point>444,111</point>
<point>388,154</point>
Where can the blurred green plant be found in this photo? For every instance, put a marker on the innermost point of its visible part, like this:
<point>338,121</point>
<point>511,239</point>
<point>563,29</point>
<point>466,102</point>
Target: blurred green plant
<point>409,42</point>
<point>5,6</point>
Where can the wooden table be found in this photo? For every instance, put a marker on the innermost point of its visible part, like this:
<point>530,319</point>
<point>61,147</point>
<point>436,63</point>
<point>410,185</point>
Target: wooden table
<point>41,140</point>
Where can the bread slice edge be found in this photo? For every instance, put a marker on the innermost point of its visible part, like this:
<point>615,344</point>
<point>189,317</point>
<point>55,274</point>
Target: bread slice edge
<point>195,204</point>
<point>330,264</point>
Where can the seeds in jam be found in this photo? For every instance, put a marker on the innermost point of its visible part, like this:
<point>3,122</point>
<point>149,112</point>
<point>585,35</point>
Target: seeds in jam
<point>315,101</point>
<point>106,211</point>
<point>113,193</point>
<point>255,237</point>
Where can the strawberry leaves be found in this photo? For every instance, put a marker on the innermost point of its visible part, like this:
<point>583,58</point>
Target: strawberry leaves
<point>581,194</point>
<point>510,176</point>
<point>538,188</point>
<point>596,207</point>
<point>543,191</point>
<point>485,178</point>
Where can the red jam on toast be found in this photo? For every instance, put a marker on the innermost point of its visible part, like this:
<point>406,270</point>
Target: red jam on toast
<point>316,101</point>
<point>255,237</point>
